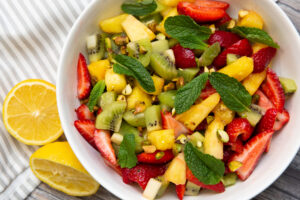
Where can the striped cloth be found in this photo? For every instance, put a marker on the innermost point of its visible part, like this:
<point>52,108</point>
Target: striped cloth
<point>32,34</point>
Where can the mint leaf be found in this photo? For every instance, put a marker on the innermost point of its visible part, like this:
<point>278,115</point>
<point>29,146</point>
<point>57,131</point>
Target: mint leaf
<point>206,168</point>
<point>132,67</point>
<point>232,92</point>
<point>96,92</point>
<point>255,35</point>
<point>126,155</point>
<point>187,31</point>
<point>188,94</point>
<point>139,8</point>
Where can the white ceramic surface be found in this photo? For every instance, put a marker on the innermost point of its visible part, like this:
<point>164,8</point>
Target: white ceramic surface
<point>284,146</point>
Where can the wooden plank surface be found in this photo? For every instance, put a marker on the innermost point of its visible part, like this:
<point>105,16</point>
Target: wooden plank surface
<point>287,187</point>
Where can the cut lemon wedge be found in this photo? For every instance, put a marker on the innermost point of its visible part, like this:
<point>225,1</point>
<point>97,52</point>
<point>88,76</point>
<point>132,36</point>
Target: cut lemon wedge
<point>30,112</point>
<point>56,165</point>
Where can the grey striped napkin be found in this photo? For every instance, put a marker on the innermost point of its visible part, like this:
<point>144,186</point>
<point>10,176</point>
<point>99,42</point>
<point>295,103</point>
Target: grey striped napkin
<point>32,34</point>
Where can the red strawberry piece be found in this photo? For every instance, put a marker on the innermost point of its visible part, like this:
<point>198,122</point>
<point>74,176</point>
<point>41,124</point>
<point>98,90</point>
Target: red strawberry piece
<point>217,188</point>
<point>273,90</point>
<point>202,126</point>
<point>83,112</point>
<point>84,85</point>
<point>239,126</point>
<point>116,168</point>
<point>207,91</point>
<point>262,58</point>
<point>252,153</point>
<point>212,4</point>
<point>268,120</point>
<point>180,189</point>
<point>241,48</point>
<point>263,101</point>
<point>223,21</point>
<point>199,13</point>
<point>99,111</point>
<point>103,143</point>
<point>86,128</point>
<point>150,157</point>
<point>281,119</point>
<point>236,146</point>
<point>184,58</point>
<point>169,122</point>
<point>142,173</point>
<point>225,39</point>
<point>227,154</point>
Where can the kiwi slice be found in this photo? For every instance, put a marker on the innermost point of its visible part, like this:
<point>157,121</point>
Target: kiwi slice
<point>167,98</point>
<point>289,85</point>
<point>172,42</point>
<point>140,50</point>
<point>160,46</point>
<point>164,64</point>
<point>111,48</point>
<point>135,119</point>
<point>231,58</point>
<point>153,118</point>
<point>188,74</point>
<point>95,47</point>
<point>111,117</point>
<point>229,179</point>
<point>164,185</point>
<point>254,115</point>
<point>106,99</point>
<point>191,189</point>
<point>127,129</point>
<point>210,54</point>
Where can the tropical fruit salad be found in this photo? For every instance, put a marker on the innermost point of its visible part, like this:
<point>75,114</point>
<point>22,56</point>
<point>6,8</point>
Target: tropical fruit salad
<point>179,92</point>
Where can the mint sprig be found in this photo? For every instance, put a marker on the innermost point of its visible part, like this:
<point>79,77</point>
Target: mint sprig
<point>188,94</point>
<point>255,35</point>
<point>206,168</point>
<point>132,67</point>
<point>126,155</point>
<point>96,92</point>
<point>138,7</point>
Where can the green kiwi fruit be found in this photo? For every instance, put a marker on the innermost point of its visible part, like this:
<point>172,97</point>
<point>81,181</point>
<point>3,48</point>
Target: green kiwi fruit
<point>254,115</point>
<point>95,47</point>
<point>135,119</point>
<point>164,185</point>
<point>128,129</point>
<point>160,46</point>
<point>188,74</point>
<point>153,118</point>
<point>106,99</point>
<point>191,189</point>
<point>141,50</point>
<point>167,98</point>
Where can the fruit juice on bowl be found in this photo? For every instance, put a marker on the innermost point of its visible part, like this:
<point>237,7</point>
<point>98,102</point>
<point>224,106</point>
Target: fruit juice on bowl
<point>167,90</point>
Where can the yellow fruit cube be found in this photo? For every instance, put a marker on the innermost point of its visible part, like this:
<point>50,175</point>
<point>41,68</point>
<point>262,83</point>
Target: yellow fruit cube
<point>161,26</point>
<point>222,112</point>
<point>136,30</point>
<point>98,69</point>
<point>253,81</point>
<point>113,25</point>
<point>258,46</point>
<point>239,69</point>
<point>252,19</point>
<point>158,83</point>
<point>176,172</point>
<point>212,144</point>
<point>197,113</point>
<point>114,82</point>
<point>162,139</point>
<point>137,97</point>
<point>171,3</point>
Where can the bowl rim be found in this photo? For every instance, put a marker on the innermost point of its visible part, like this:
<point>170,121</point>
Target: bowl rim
<point>59,94</point>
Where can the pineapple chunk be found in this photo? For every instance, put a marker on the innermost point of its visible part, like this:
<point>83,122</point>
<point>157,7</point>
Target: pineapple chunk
<point>197,113</point>
<point>114,82</point>
<point>161,26</point>
<point>171,3</point>
<point>212,145</point>
<point>240,69</point>
<point>225,114</point>
<point>162,139</point>
<point>252,19</point>
<point>158,83</point>
<point>137,97</point>
<point>176,172</point>
<point>258,46</point>
<point>113,25</point>
<point>253,81</point>
<point>98,69</point>
<point>152,189</point>
<point>136,30</point>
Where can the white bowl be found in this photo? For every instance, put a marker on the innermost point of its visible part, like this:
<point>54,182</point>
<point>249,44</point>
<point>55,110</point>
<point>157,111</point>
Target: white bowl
<point>284,146</point>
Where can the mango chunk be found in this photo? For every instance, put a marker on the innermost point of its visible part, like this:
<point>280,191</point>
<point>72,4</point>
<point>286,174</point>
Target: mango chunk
<point>113,25</point>
<point>136,97</point>
<point>161,26</point>
<point>162,139</point>
<point>158,84</point>
<point>114,82</point>
<point>176,172</point>
<point>258,46</point>
<point>253,81</point>
<point>224,113</point>
<point>98,69</point>
<point>252,19</point>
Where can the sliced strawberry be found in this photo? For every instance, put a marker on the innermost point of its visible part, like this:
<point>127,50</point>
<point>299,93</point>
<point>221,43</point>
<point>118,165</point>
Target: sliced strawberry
<point>268,120</point>
<point>83,112</point>
<point>212,4</point>
<point>142,173</point>
<point>217,188</point>
<point>239,126</point>
<point>281,119</point>
<point>84,85</point>
<point>184,58</point>
<point>225,39</point>
<point>169,122</point>
<point>151,159</point>
<point>262,58</point>
<point>99,111</point>
<point>273,90</point>
<point>263,101</point>
<point>207,91</point>
<point>241,48</point>
<point>180,189</point>
<point>227,153</point>
<point>103,143</point>
<point>224,21</point>
<point>86,128</point>
<point>236,146</point>
<point>251,154</point>
<point>200,14</point>
<point>202,126</point>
